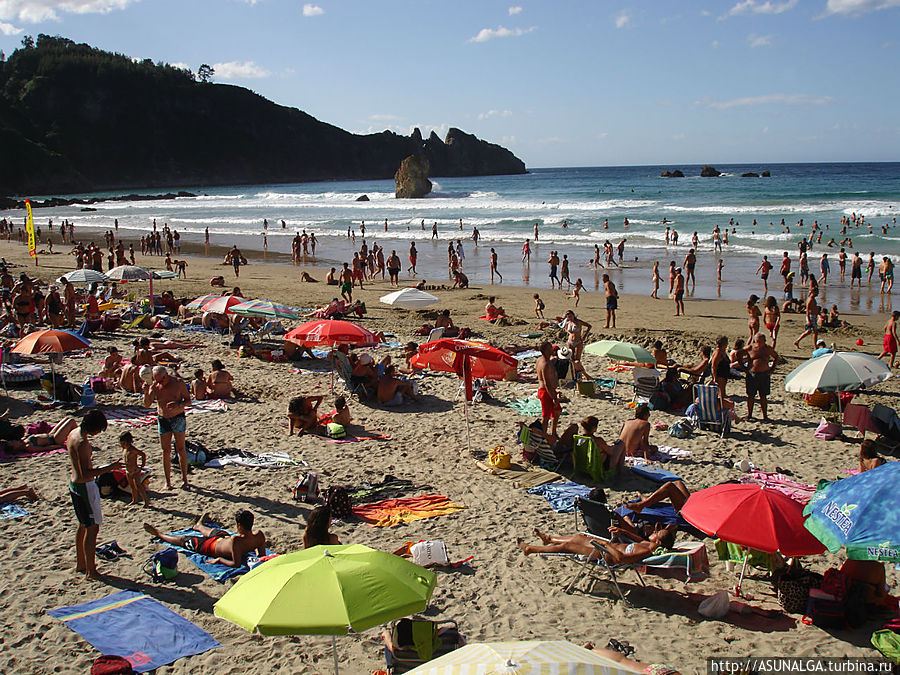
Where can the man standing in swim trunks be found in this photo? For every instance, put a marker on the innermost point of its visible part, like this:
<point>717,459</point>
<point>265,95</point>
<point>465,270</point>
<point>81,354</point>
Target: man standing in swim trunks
<point>759,377</point>
<point>413,256</point>
<point>551,408</point>
<point>346,280</point>
<point>83,489</point>
<point>890,337</point>
<point>554,263</point>
<point>171,396</point>
<point>812,315</point>
<point>678,289</point>
<point>612,301</point>
<point>221,547</point>
<point>690,261</point>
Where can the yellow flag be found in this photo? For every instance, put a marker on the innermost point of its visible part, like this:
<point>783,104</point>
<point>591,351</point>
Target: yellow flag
<point>29,228</point>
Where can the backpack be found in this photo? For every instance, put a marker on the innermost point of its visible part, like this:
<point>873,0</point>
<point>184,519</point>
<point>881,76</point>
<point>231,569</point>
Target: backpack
<point>307,488</point>
<point>111,665</point>
<point>681,429</point>
<point>338,500</point>
<point>162,566</point>
<point>335,430</point>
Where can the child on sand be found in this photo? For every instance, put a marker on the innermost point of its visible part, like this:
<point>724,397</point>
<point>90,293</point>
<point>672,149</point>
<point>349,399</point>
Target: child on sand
<point>538,306</point>
<point>198,385</point>
<point>130,455</point>
<point>112,365</point>
<point>576,291</point>
<point>340,414</point>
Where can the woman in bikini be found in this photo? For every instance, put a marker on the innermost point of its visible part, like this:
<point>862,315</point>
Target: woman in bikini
<point>753,311</point>
<point>772,318</point>
<point>615,553</point>
<point>578,331</point>
<point>721,365</point>
<point>317,529</point>
<point>656,280</point>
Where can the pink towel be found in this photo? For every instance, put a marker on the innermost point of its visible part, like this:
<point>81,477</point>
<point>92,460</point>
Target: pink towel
<point>799,492</point>
<point>859,416</point>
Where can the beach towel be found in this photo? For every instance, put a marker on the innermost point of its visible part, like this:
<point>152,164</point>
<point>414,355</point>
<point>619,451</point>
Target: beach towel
<point>687,561</point>
<point>216,571</point>
<point>389,488</point>
<point>528,354</point>
<point>521,476</point>
<point>131,625</point>
<point>192,328</point>
<point>799,492</point>
<point>859,416</point>
<point>654,473</point>
<point>39,453</point>
<point>138,416</point>
<point>363,435</point>
<point>263,460</point>
<point>530,407</point>
<point>12,511</point>
<point>666,453</point>
<point>390,512</point>
<point>662,513</point>
<point>14,374</point>
<point>561,496</point>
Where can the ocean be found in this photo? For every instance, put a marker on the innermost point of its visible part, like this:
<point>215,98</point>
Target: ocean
<point>506,208</point>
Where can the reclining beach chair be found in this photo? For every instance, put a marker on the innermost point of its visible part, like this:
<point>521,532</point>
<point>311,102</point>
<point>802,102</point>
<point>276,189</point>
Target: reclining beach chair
<point>412,642</point>
<point>538,445</point>
<point>345,370</point>
<point>435,334</point>
<point>596,517</point>
<point>646,383</point>
<point>268,328</point>
<point>888,424</point>
<point>711,415</point>
<point>587,458</point>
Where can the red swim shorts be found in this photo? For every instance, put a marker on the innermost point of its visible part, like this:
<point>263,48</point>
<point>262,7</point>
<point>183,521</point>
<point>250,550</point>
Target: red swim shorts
<point>549,407</point>
<point>890,344</point>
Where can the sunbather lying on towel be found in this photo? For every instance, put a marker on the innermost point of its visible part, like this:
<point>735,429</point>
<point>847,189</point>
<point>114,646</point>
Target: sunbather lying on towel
<point>26,492</point>
<point>614,553</point>
<point>56,438</point>
<point>221,547</point>
<point>630,664</point>
<point>674,491</point>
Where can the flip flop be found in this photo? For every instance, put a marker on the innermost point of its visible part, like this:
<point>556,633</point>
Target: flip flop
<point>106,553</point>
<point>118,550</point>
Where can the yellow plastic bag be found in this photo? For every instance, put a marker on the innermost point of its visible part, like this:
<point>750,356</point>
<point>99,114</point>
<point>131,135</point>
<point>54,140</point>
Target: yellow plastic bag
<point>499,458</point>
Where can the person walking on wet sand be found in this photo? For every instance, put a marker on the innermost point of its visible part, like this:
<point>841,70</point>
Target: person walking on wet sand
<point>494,269</point>
<point>612,301</point>
<point>763,271</point>
<point>656,279</point>
<point>678,285</point>
<point>812,318</point>
<point>890,337</point>
<point>690,261</point>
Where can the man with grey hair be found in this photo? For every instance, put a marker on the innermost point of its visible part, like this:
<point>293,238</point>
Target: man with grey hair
<point>171,396</point>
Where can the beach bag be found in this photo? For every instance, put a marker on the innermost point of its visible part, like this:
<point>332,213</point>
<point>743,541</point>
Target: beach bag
<point>306,488</point>
<point>827,431</point>
<point>836,583</point>
<point>793,591</point>
<point>681,429</point>
<point>338,500</point>
<point>162,565</point>
<point>824,610</point>
<point>100,385</point>
<point>335,430</point>
<point>715,606</point>
<point>196,453</point>
<point>427,553</point>
<point>499,458</point>
<point>111,665</point>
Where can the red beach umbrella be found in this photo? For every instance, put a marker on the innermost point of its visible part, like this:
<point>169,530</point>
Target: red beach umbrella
<point>222,304</point>
<point>754,517</point>
<point>44,341</point>
<point>331,332</point>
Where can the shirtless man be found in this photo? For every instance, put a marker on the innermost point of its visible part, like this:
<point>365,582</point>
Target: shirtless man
<point>303,413</point>
<point>221,547</point>
<point>346,279</point>
<point>171,396</point>
<point>83,489</point>
<point>690,261</point>
<point>890,337</point>
<point>578,331</point>
<point>392,389</point>
<point>612,301</point>
<point>635,435</point>
<point>551,408</point>
<point>812,326</point>
<point>678,289</point>
<point>494,269</point>
<point>762,363</point>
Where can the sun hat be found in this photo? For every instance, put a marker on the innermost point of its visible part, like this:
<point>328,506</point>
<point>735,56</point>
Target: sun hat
<point>564,353</point>
<point>365,359</point>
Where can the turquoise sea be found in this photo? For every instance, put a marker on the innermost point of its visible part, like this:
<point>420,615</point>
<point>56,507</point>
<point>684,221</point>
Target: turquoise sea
<point>506,208</point>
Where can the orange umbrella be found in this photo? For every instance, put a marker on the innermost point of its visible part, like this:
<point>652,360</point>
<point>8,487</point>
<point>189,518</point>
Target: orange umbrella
<point>50,342</point>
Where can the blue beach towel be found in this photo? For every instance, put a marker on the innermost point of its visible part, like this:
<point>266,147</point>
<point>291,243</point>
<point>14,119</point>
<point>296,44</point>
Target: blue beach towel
<point>216,571</point>
<point>12,511</point>
<point>663,513</point>
<point>561,496</point>
<point>655,473</point>
<point>131,625</point>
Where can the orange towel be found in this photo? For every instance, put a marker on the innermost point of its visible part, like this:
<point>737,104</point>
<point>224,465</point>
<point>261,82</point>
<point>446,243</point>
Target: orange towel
<point>390,512</point>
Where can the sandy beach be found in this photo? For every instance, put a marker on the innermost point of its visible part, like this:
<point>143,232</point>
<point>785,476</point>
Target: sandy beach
<point>501,594</point>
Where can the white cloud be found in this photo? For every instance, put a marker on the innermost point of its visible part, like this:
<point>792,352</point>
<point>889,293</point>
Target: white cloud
<point>768,7</point>
<point>36,11</point>
<point>236,70</point>
<point>180,65</point>
<point>715,44</point>
<point>9,29</point>
<point>765,130</point>
<point>486,34</point>
<point>768,99</point>
<point>508,140</point>
<point>858,6</point>
<point>384,117</point>
<point>623,19</point>
<point>602,135</point>
<point>515,9</point>
<point>759,40</point>
<point>494,113</point>
<point>310,9</point>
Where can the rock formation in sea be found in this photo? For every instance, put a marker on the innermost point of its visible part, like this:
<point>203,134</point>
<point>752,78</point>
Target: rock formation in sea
<point>750,174</point>
<point>709,172</point>
<point>672,174</point>
<point>412,178</point>
<point>74,119</point>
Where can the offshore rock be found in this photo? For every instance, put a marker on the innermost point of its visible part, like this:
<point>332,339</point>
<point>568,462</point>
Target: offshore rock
<point>672,174</point>
<point>412,178</point>
<point>709,172</point>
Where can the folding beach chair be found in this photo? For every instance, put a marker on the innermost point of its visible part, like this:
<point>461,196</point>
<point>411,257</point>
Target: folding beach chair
<point>710,413</point>
<point>345,370</point>
<point>596,517</point>
<point>414,641</point>
<point>587,458</point>
<point>646,383</point>
<point>536,444</point>
<point>269,328</point>
<point>435,334</point>
<point>888,424</point>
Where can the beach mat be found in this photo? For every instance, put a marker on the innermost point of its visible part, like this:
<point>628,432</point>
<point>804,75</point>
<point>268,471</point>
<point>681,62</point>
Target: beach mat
<point>263,460</point>
<point>520,475</point>
<point>390,512</point>
<point>364,435</point>
<point>12,511</point>
<point>530,407</point>
<point>138,416</point>
<point>215,571</point>
<point>131,625</point>
<point>654,473</point>
<point>561,496</point>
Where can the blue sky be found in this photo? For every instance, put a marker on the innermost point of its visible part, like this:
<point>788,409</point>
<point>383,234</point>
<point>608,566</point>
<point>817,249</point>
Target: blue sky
<point>560,83</point>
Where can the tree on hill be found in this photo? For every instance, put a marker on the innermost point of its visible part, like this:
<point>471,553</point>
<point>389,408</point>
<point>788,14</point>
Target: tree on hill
<point>205,72</point>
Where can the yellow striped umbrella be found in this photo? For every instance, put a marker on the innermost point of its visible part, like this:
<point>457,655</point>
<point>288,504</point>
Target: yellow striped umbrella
<point>552,657</point>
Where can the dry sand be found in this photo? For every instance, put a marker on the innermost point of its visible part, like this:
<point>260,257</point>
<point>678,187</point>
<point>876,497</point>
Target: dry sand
<point>503,595</point>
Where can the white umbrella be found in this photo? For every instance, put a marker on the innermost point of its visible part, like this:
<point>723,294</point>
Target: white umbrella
<point>129,273</point>
<point>409,298</point>
<point>83,276</point>
<point>839,371</point>
<point>163,274</point>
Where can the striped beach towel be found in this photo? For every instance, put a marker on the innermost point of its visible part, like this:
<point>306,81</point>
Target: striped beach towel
<point>138,416</point>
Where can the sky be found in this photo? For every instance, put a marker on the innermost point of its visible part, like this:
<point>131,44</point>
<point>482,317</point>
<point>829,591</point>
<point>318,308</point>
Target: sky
<point>561,83</point>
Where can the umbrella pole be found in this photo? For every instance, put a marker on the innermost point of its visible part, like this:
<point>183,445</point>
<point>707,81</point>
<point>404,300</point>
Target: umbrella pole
<point>334,653</point>
<point>466,415</point>
<point>53,376</point>
<point>737,589</point>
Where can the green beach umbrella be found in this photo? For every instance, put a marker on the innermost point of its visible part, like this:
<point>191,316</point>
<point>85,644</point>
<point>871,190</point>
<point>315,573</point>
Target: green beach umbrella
<point>620,351</point>
<point>326,590</point>
<point>264,308</point>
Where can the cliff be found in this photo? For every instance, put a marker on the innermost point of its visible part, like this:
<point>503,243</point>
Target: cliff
<point>74,118</point>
